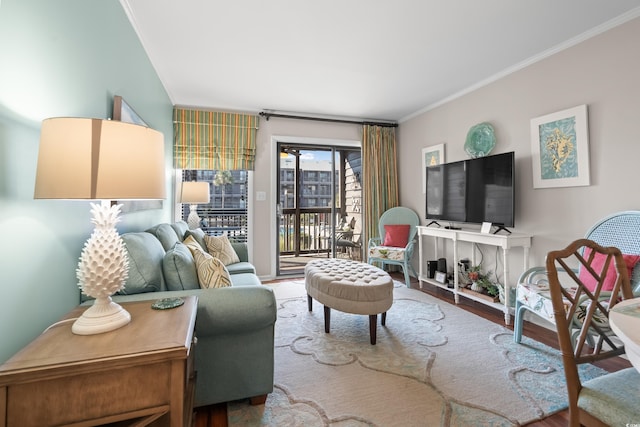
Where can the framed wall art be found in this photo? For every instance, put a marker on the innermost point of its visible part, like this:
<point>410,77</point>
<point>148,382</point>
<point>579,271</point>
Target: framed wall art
<point>431,156</point>
<point>560,149</point>
<point>124,113</point>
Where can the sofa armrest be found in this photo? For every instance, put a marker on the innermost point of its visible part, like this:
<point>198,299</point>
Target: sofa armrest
<point>242,250</point>
<point>235,309</point>
<point>223,310</point>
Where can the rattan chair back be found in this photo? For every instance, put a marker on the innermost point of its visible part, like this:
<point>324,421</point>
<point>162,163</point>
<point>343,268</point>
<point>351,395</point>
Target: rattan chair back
<point>569,294</point>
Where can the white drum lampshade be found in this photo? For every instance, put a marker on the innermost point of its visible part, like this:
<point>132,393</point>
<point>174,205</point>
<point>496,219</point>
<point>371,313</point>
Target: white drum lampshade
<point>194,193</point>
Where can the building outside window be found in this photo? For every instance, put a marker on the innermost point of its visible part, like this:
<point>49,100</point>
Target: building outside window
<point>316,185</point>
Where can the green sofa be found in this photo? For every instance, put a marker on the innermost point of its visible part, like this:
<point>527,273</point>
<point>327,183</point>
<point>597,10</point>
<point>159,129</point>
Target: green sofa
<point>234,325</point>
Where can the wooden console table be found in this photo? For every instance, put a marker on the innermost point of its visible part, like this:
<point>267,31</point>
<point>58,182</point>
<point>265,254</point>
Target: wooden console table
<point>142,372</point>
<point>504,241</point>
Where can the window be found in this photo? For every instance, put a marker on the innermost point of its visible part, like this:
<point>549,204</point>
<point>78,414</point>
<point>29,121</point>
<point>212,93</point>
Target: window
<point>226,213</point>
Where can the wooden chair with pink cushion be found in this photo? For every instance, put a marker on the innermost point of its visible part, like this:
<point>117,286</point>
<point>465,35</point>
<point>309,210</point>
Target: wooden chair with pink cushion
<point>580,305</point>
<point>621,230</point>
<point>397,227</point>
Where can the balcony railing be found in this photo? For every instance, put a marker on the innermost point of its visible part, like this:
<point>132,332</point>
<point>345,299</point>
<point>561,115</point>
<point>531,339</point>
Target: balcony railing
<point>305,234</point>
<point>233,223</point>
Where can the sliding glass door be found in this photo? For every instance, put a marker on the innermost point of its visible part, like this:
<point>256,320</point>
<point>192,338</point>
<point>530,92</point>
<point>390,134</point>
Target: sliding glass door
<point>319,205</point>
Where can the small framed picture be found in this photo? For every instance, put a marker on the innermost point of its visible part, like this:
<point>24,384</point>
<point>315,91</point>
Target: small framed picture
<point>486,228</point>
<point>441,277</point>
<point>431,156</point>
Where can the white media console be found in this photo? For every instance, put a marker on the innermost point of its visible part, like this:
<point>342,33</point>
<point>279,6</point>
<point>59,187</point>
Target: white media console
<point>504,241</point>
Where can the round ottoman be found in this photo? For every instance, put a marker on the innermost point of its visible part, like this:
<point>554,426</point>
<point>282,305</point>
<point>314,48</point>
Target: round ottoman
<point>351,287</point>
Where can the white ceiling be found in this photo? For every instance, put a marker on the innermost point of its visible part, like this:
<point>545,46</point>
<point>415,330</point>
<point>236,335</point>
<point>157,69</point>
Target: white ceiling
<point>367,59</point>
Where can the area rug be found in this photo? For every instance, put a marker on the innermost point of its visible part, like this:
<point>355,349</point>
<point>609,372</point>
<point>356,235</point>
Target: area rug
<point>434,364</point>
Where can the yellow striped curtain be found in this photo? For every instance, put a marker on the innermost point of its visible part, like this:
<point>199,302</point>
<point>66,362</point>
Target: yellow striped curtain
<point>379,175</point>
<point>214,140</point>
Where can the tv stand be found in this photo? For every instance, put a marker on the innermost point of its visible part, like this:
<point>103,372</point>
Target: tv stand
<point>447,227</point>
<point>506,242</point>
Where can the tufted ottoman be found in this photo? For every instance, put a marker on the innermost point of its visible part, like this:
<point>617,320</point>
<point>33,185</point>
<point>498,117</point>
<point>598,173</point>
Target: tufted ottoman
<point>349,286</point>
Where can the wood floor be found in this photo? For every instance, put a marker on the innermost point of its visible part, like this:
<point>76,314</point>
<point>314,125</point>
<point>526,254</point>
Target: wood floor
<point>216,416</point>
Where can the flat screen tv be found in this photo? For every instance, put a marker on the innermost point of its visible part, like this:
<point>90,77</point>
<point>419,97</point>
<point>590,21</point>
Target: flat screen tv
<point>472,191</point>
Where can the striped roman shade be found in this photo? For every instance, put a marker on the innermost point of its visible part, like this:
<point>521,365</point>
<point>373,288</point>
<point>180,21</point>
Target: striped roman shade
<point>214,140</point>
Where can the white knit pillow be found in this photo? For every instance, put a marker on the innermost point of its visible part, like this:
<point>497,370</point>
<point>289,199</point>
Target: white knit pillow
<point>220,247</point>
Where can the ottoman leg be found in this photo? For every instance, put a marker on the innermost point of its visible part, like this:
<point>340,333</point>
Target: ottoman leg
<point>373,320</point>
<point>383,321</point>
<point>327,318</point>
<point>309,302</point>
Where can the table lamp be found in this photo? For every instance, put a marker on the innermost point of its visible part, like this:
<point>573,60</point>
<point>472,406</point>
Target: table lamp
<point>193,193</point>
<point>94,159</point>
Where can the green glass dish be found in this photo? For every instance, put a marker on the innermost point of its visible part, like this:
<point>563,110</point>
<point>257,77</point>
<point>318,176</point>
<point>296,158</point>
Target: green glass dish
<point>167,303</point>
<point>480,140</point>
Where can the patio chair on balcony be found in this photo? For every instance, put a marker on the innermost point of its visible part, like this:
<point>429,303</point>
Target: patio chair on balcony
<point>349,240</point>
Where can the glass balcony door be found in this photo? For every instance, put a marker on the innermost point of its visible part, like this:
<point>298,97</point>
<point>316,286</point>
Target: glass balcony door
<point>319,201</point>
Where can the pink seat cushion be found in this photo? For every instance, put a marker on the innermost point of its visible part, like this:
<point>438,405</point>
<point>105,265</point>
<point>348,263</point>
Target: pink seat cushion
<point>590,282</point>
<point>396,235</point>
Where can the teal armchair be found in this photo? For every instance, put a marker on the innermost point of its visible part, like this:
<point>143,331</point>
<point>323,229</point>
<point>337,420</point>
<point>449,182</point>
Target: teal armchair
<point>391,248</point>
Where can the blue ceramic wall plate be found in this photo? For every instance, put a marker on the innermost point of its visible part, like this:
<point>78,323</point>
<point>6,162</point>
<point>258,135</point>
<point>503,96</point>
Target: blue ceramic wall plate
<point>480,140</point>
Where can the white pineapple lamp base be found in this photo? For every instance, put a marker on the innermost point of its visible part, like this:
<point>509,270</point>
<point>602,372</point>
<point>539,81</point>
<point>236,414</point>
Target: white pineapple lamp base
<point>102,271</point>
<point>103,316</point>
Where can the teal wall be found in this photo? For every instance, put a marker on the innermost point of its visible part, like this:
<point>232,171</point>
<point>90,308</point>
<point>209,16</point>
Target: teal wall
<point>60,58</point>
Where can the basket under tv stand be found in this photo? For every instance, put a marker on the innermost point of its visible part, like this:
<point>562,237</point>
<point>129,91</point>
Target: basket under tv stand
<point>506,242</point>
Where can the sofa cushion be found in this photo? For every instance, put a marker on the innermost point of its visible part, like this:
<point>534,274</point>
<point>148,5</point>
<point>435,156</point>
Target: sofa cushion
<point>211,271</point>
<point>145,263</point>
<point>220,247</point>
<point>166,234</point>
<point>242,250</point>
<point>179,269</point>
<point>241,267</point>
<point>181,228</point>
<point>245,279</point>
<point>198,235</point>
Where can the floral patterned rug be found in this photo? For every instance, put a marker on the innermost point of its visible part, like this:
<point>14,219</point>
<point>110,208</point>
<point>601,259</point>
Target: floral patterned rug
<point>433,365</point>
